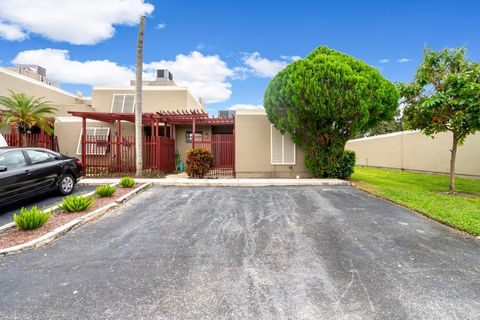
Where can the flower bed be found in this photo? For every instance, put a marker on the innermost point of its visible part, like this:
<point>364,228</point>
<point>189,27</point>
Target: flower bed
<point>15,236</point>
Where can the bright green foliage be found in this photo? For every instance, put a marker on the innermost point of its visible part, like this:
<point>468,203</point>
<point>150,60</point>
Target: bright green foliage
<point>426,193</point>
<point>326,99</point>
<point>31,219</point>
<point>444,96</point>
<point>76,203</point>
<point>105,190</point>
<point>199,162</point>
<point>345,165</point>
<point>24,112</point>
<point>127,182</point>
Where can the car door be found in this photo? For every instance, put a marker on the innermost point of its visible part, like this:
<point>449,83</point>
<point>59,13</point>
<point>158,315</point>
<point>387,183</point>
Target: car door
<point>45,169</point>
<point>16,180</point>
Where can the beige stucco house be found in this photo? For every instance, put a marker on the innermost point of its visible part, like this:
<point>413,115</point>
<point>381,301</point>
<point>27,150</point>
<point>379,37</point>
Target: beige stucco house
<point>248,145</point>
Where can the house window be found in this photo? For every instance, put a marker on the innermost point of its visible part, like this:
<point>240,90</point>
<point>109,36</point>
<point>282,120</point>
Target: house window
<point>189,135</point>
<point>282,148</point>
<point>97,141</point>
<point>123,103</point>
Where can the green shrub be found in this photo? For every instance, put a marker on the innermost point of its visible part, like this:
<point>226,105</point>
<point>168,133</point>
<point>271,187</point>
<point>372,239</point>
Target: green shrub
<point>326,99</point>
<point>127,182</point>
<point>31,219</point>
<point>199,162</point>
<point>76,203</point>
<point>105,191</point>
<point>344,168</point>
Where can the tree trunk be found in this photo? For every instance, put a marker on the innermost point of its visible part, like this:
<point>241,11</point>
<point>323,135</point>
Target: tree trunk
<point>138,101</point>
<point>452,162</point>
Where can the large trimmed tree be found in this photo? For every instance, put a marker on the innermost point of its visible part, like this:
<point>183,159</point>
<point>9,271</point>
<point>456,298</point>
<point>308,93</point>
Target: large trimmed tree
<point>326,99</point>
<point>444,96</point>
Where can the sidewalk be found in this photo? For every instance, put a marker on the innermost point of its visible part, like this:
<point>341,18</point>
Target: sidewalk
<point>170,181</point>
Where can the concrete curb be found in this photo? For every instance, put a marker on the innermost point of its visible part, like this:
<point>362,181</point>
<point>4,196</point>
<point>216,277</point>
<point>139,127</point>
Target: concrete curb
<point>176,182</point>
<point>135,191</point>
<point>54,208</point>
<point>76,223</point>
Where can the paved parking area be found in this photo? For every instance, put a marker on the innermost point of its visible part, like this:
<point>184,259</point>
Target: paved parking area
<point>44,200</point>
<point>249,253</point>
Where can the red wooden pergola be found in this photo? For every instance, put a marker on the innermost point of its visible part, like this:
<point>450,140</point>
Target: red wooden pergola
<point>166,118</point>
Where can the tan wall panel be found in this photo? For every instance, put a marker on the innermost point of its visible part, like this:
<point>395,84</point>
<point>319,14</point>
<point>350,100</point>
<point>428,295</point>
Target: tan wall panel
<point>58,99</point>
<point>153,100</point>
<point>253,153</point>
<point>181,146</point>
<point>415,151</point>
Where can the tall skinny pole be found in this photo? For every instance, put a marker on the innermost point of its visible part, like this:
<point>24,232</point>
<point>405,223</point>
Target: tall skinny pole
<point>138,101</point>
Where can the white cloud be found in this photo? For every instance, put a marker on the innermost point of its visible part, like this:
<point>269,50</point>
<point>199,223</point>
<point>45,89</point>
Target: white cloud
<point>384,61</point>
<point>11,32</point>
<point>205,76</point>
<point>291,58</point>
<point>73,21</point>
<point>246,106</point>
<point>161,26</point>
<point>404,60</point>
<point>60,67</point>
<point>263,67</point>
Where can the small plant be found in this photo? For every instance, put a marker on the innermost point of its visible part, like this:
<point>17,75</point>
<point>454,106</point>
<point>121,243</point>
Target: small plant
<point>76,203</point>
<point>199,162</point>
<point>127,182</point>
<point>31,219</point>
<point>150,173</point>
<point>105,191</point>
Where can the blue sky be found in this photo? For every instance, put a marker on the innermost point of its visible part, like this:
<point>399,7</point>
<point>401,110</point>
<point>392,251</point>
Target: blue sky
<point>226,51</point>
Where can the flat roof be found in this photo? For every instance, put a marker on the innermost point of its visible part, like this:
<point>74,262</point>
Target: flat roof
<point>38,83</point>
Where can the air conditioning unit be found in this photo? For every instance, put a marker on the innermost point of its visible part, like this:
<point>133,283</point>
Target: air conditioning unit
<point>164,74</point>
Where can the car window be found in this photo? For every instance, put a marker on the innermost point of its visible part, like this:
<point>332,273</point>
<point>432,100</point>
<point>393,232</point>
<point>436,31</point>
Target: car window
<point>12,160</point>
<point>37,156</point>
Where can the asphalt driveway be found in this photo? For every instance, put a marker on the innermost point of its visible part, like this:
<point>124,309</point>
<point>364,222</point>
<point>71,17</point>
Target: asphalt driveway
<point>44,200</point>
<point>249,253</point>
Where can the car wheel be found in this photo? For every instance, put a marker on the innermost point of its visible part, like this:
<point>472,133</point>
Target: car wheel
<point>66,184</point>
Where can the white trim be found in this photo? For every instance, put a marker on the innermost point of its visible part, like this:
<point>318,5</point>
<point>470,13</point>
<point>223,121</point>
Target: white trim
<point>74,119</point>
<point>386,135</point>
<point>283,163</point>
<point>250,112</point>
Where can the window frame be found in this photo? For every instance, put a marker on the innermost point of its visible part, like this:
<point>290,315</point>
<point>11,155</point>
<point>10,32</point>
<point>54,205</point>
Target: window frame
<point>123,102</point>
<point>283,163</point>
<point>79,145</point>
<point>191,133</point>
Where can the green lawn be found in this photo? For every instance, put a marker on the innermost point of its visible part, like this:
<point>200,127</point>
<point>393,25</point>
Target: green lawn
<point>419,192</point>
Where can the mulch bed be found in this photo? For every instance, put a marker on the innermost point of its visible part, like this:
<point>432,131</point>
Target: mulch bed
<point>15,236</point>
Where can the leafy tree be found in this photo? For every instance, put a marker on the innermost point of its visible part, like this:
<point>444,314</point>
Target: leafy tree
<point>444,96</point>
<point>24,112</point>
<point>383,127</point>
<point>326,99</point>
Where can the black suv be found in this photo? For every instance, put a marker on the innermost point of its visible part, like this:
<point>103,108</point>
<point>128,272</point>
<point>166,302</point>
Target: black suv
<point>26,172</point>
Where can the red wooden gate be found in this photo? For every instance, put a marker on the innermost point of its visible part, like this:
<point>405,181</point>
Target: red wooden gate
<point>115,155</point>
<point>222,147</point>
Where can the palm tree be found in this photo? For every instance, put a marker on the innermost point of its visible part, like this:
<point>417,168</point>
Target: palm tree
<point>24,112</point>
<point>138,100</point>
